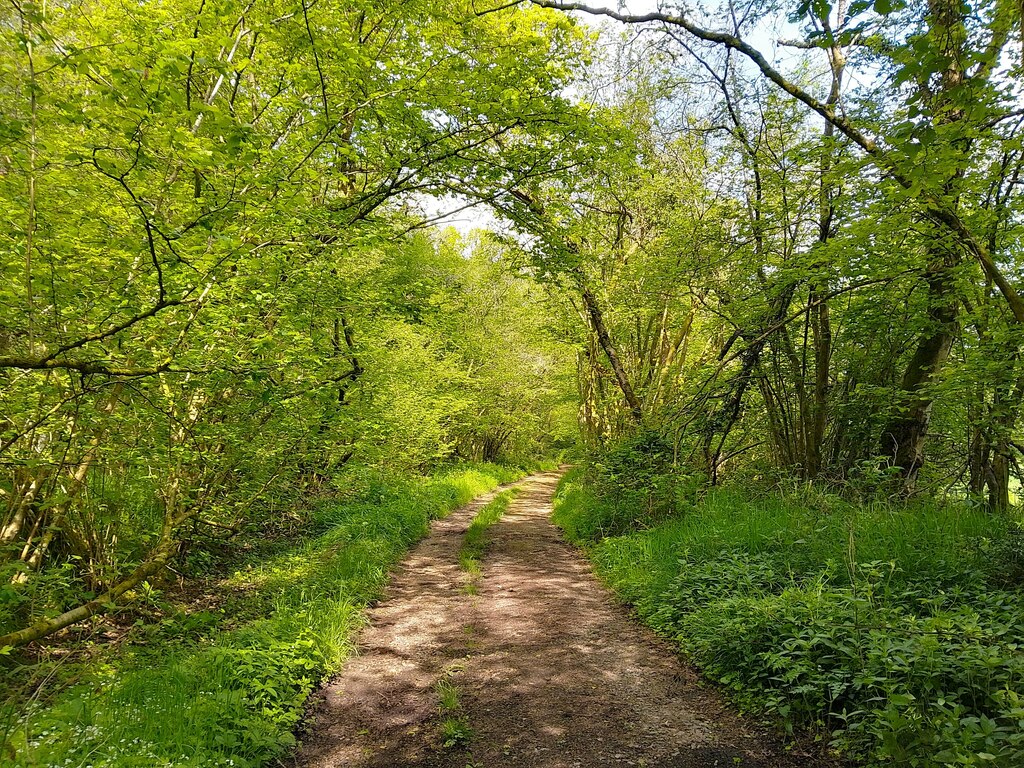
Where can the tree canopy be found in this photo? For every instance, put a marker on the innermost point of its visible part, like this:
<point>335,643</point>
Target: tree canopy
<point>221,283</point>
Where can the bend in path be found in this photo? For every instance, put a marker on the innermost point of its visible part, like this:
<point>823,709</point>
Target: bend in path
<point>552,672</point>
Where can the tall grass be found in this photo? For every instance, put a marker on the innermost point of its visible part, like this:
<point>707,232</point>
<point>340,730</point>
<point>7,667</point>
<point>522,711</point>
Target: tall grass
<point>231,692</point>
<point>889,628</point>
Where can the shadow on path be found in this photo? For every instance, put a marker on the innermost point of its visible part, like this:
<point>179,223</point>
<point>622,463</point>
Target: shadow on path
<point>553,673</point>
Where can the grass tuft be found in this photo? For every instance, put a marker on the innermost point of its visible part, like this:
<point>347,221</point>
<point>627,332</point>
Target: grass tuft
<point>455,733</point>
<point>447,695</point>
<point>474,543</point>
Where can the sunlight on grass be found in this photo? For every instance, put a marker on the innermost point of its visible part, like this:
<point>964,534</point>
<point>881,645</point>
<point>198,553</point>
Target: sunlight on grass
<point>290,624</point>
<point>474,543</point>
<point>884,624</point>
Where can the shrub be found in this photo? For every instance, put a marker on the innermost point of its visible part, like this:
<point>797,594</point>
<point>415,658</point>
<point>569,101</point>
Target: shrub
<point>635,478</point>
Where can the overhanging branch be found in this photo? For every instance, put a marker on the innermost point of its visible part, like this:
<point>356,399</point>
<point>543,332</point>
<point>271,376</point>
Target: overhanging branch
<point>936,208</point>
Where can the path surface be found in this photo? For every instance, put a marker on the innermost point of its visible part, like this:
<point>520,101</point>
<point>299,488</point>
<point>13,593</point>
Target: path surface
<point>553,673</point>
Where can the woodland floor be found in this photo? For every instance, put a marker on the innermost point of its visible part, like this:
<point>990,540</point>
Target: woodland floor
<point>552,671</point>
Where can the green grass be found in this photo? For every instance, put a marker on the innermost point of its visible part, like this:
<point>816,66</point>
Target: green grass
<point>474,543</point>
<point>447,695</point>
<point>455,732</point>
<point>226,687</point>
<point>889,629</point>
<point>453,729</point>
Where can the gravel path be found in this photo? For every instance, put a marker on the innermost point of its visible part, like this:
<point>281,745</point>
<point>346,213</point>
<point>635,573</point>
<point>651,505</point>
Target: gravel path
<point>552,672</point>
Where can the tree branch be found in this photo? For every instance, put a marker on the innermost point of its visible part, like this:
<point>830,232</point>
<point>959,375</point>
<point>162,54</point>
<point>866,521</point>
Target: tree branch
<point>935,207</point>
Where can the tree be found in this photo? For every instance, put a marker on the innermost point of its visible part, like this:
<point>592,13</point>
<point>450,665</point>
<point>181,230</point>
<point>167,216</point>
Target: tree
<point>938,114</point>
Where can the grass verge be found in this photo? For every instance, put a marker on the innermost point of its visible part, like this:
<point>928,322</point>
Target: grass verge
<point>226,687</point>
<point>892,631</point>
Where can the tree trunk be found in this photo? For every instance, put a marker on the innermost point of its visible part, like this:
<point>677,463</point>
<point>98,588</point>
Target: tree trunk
<point>999,482</point>
<point>821,329</point>
<point>605,340</point>
<point>903,438</point>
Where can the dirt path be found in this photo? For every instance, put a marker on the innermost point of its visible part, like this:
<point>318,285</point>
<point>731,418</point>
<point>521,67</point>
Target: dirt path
<point>552,673</point>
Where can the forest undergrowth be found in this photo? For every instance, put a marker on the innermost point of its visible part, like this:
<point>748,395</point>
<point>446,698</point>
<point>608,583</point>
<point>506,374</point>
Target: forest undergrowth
<point>890,630</point>
<point>286,617</point>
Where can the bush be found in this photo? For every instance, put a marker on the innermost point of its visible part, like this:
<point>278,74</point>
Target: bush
<point>637,484</point>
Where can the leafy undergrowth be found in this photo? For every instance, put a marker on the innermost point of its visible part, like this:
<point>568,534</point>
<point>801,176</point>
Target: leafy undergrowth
<point>474,543</point>
<point>226,687</point>
<point>897,631</point>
